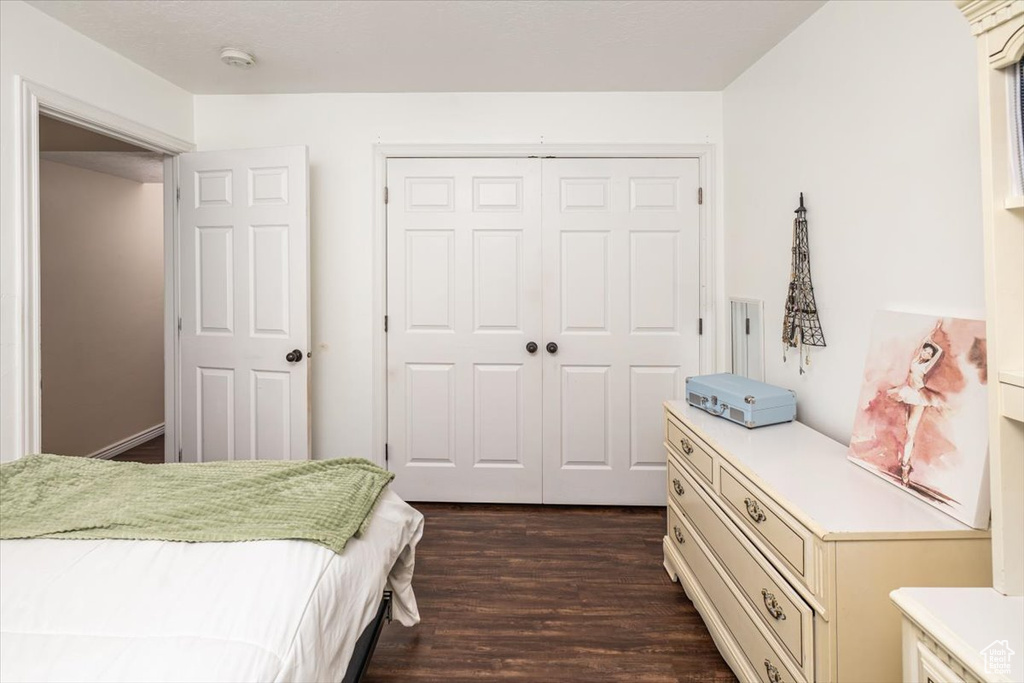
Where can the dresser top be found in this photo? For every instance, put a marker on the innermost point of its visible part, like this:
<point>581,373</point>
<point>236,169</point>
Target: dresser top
<point>968,622</point>
<point>809,475</point>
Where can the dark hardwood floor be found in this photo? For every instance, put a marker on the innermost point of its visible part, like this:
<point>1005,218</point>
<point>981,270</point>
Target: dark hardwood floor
<point>534,593</point>
<point>151,452</point>
<point>540,593</point>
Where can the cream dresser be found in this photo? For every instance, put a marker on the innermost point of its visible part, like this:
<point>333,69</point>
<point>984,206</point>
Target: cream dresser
<point>789,551</point>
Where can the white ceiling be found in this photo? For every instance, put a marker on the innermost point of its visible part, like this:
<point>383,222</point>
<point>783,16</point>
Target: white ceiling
<point>440,45</point>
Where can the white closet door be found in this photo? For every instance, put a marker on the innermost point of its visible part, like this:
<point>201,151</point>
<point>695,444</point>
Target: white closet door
<point>621,293</point>
<point>464,394</point>
<point>243,231</point>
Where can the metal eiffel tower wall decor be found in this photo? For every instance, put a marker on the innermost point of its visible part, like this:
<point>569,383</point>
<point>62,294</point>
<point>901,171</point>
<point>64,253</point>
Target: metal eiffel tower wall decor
<point>801,327</point>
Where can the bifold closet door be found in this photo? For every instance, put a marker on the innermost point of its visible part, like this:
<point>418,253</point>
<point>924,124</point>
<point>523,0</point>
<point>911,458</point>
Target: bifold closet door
<point>464,278</point>
<point>621,302</point>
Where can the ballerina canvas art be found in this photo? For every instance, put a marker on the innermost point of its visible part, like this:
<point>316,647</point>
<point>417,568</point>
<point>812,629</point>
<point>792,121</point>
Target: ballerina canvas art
<point>922,415</point>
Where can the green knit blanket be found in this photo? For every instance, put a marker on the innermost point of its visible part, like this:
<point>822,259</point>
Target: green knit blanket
<point>324,501</point>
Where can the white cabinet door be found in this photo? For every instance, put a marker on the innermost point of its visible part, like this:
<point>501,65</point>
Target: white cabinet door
<point>244,301</point>
<point>464,404</point>
<point>621,301</point>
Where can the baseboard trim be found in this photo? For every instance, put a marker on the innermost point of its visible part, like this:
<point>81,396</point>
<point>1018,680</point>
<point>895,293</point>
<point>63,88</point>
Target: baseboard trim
<point>131,442</point>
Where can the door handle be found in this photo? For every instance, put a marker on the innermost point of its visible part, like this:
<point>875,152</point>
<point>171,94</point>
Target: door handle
<point>294,356</point>
<point>552,347</point>
<point>531,347</point>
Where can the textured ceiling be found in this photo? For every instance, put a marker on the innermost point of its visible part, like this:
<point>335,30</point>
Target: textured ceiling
<point>75,146</point>
<point>142,167</point>
<point>440,46</point>
<point>59,136</point>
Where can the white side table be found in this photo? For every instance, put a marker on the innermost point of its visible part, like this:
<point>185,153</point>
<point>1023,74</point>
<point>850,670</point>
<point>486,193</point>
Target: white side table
<point>961,635</point>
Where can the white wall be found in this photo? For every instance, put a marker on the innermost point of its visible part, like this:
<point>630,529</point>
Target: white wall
<point>870,109</point>
<point>341,129</point>
<point>41,49</point>
<point>102,313</point>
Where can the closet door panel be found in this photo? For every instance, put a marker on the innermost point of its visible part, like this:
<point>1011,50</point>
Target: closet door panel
<point>464,279</point>
<point>621,301</point>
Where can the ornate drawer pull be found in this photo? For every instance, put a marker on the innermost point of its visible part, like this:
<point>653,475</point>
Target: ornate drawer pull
<point>679,534</point>
<point>773,606</point>
<point>677,486</point>
<point>754,510</point>
<point>773,673</point>
<point>686,445</point>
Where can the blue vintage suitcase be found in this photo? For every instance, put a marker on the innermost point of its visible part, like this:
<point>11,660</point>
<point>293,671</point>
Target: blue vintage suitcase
<point>741,400</point>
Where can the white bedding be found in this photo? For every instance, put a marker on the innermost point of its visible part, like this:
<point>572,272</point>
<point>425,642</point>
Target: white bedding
<point>113,610</point>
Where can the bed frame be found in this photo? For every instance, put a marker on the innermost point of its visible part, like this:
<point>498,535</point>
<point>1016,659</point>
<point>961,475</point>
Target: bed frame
<point>367,642</point>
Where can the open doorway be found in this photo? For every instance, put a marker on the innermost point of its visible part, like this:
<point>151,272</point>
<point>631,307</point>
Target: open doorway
<point>101,255</point>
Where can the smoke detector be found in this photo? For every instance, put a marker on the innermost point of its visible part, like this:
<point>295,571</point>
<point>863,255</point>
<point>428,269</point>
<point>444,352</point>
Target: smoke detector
<point>235,57</point>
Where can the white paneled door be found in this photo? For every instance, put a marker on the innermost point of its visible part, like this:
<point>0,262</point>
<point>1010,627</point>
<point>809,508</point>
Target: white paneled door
<point>464,403</point>
<point>595,261</point>
<point>621,303</point>
<point>244,300</point>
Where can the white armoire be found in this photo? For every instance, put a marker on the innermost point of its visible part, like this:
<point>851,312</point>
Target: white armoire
<point>999,28</point>
<point>974,634</point>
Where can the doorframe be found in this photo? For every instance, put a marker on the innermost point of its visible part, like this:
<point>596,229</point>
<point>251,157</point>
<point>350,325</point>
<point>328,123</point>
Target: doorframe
<point>708,306</point>
<point>34,99</point>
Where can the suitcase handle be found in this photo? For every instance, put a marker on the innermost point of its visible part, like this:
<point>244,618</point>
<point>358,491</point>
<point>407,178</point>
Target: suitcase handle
<point>714,401</point>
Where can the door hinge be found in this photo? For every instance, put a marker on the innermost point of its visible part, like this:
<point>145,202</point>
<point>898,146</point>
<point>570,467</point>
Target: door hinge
<point>748,325</point>
<point>177,194</point>
<point>700,195</point>
<point>385,454</point>
<point>700,326</point>
<point>179,326</point>
<point>179,455</point>
<point>385,194</point>
<point>385,323</point>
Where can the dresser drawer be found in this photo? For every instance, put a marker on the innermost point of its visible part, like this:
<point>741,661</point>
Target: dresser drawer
<point>780,608</point>
<point>691,450</point>
<point>764,519</point>
<point>767,664</point>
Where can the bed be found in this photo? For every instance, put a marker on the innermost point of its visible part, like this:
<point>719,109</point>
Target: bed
<point>268,610</point>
